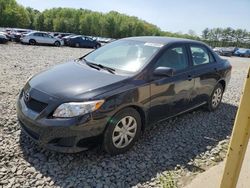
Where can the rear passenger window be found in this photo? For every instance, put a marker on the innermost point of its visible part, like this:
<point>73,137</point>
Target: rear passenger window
<point>175,58</point>
<point>200,55</point>
<point>38,34</point>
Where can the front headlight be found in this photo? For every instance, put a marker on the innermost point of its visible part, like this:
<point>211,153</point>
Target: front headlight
<point>73,109</point>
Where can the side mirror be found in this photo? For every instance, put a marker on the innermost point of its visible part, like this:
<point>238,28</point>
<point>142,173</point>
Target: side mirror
<point>164,71</point>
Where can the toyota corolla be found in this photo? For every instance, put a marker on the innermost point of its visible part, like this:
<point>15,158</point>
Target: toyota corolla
<point>113,93</point>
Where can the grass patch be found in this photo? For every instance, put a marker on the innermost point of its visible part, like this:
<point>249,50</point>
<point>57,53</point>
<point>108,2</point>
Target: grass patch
<point>167,180</point>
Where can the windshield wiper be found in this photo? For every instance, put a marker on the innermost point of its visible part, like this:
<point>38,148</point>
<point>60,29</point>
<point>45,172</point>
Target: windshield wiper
<point>99,66</point>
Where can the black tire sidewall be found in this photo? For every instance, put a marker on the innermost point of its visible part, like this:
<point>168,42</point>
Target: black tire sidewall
<point>210,106</point>
<point>57,44</point>
<point>32,42</point>
<point>108,145</point>
<point>97,46</point>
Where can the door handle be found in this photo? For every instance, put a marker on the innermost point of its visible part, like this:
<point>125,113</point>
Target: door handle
<point>216,70</point>
<point>190,77</point>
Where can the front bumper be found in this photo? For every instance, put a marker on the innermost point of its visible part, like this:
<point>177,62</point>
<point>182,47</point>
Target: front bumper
<point>69,135</point>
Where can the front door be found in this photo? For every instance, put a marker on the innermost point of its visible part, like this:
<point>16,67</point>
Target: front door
<point>47,39</point>
<point>171,95</point>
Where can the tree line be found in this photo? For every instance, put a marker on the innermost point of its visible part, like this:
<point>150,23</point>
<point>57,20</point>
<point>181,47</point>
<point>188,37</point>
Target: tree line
<point>226,37</point>
<point>111,24</point>
<point>79,21</point>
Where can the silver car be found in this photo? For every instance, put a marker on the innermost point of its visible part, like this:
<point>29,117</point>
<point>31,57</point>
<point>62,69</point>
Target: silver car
<point>41,38</point>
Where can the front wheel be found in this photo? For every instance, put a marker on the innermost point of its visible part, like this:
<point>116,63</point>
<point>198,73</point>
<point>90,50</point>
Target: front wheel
<point>97,46</point>
<point>122,131</point>
<point>215,98</point>
<point>57,44</point>
<point>77,45</point>
<point>32,42</point>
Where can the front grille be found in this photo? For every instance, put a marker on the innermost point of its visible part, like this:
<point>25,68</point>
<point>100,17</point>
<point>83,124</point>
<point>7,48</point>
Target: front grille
<point>35,105</point>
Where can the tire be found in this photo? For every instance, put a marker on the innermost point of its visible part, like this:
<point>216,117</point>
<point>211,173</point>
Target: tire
<point>57,44</point>
<point>77,45</point>
<point>215,98</point>
<point>116,131</point>
<point>32,42</point>
<point>97,46</point>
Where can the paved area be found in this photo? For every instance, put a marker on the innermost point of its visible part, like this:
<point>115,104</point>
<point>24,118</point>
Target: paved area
<point>212,177</point>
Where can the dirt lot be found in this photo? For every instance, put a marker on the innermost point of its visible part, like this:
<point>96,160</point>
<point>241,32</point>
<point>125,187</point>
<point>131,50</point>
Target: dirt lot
<point>171,152</point>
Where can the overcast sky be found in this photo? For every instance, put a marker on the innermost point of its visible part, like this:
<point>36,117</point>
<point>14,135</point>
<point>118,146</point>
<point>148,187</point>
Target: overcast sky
<point>174,16</point>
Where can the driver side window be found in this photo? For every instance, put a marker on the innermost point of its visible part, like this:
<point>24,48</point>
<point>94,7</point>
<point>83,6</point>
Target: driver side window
<point>175,58</point>
<point>45,35</point>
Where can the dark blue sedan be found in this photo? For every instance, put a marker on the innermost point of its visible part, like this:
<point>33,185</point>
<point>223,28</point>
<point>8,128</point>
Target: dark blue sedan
<point>242,52</point>
<point>113,93</point>
<point>83,42</point>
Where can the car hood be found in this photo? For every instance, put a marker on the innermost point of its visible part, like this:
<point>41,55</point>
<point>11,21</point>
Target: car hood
<point>70,80</point>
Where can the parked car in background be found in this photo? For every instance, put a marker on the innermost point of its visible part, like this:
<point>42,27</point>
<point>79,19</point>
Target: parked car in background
<point>61,35</point>
<point>16,34</point>
<point>67,38</point>
<point>104,40</point>
<point>242,52</point>
<point>225,51</point>
<point>217,50</point>
<point>113,93</point>
<point>3,39</point>
<point>34,38</point>
<point>83,42</point>
<point>5,34</point>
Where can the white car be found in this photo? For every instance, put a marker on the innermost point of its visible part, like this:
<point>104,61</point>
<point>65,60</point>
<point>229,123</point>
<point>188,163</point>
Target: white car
<point>41,38</point>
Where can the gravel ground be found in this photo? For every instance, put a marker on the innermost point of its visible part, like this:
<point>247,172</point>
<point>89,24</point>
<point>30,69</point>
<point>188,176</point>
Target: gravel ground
<point>169,154</point>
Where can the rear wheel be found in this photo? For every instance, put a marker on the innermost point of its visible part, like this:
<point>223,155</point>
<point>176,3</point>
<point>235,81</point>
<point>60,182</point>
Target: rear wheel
<point>57,44</point>
<point>97,46</point>
<point>32,42</point>
<point>215,98</point>
<point>122,131</point>
<point>77,45</point>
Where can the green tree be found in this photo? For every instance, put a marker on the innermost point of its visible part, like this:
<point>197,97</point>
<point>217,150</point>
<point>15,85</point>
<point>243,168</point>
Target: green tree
<point>13,15</point>
<point>111,24</point>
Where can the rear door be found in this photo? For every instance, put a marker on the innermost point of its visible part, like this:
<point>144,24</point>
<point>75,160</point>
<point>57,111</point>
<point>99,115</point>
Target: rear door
<point>205,72</point>
<point>84,42</point>
<point>38,37</point>
<point>171,95</point>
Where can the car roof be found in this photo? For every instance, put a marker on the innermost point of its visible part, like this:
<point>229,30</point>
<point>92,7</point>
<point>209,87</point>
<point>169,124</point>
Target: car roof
<point>162,40</point>
<point>38,32</point>
<point>76,36</point>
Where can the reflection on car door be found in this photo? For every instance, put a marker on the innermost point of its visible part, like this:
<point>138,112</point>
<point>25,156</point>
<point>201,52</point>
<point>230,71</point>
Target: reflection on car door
<point>83,42</point>
<point>47,39</point>
<point>205,72</point>
<point>171,95</point>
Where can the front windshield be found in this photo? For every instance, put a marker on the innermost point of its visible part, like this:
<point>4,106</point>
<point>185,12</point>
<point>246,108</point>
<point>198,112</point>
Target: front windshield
<point>125,55</point>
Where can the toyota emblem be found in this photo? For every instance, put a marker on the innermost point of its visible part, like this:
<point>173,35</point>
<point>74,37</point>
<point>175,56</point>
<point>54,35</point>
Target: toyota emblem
<point>26,96</point>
